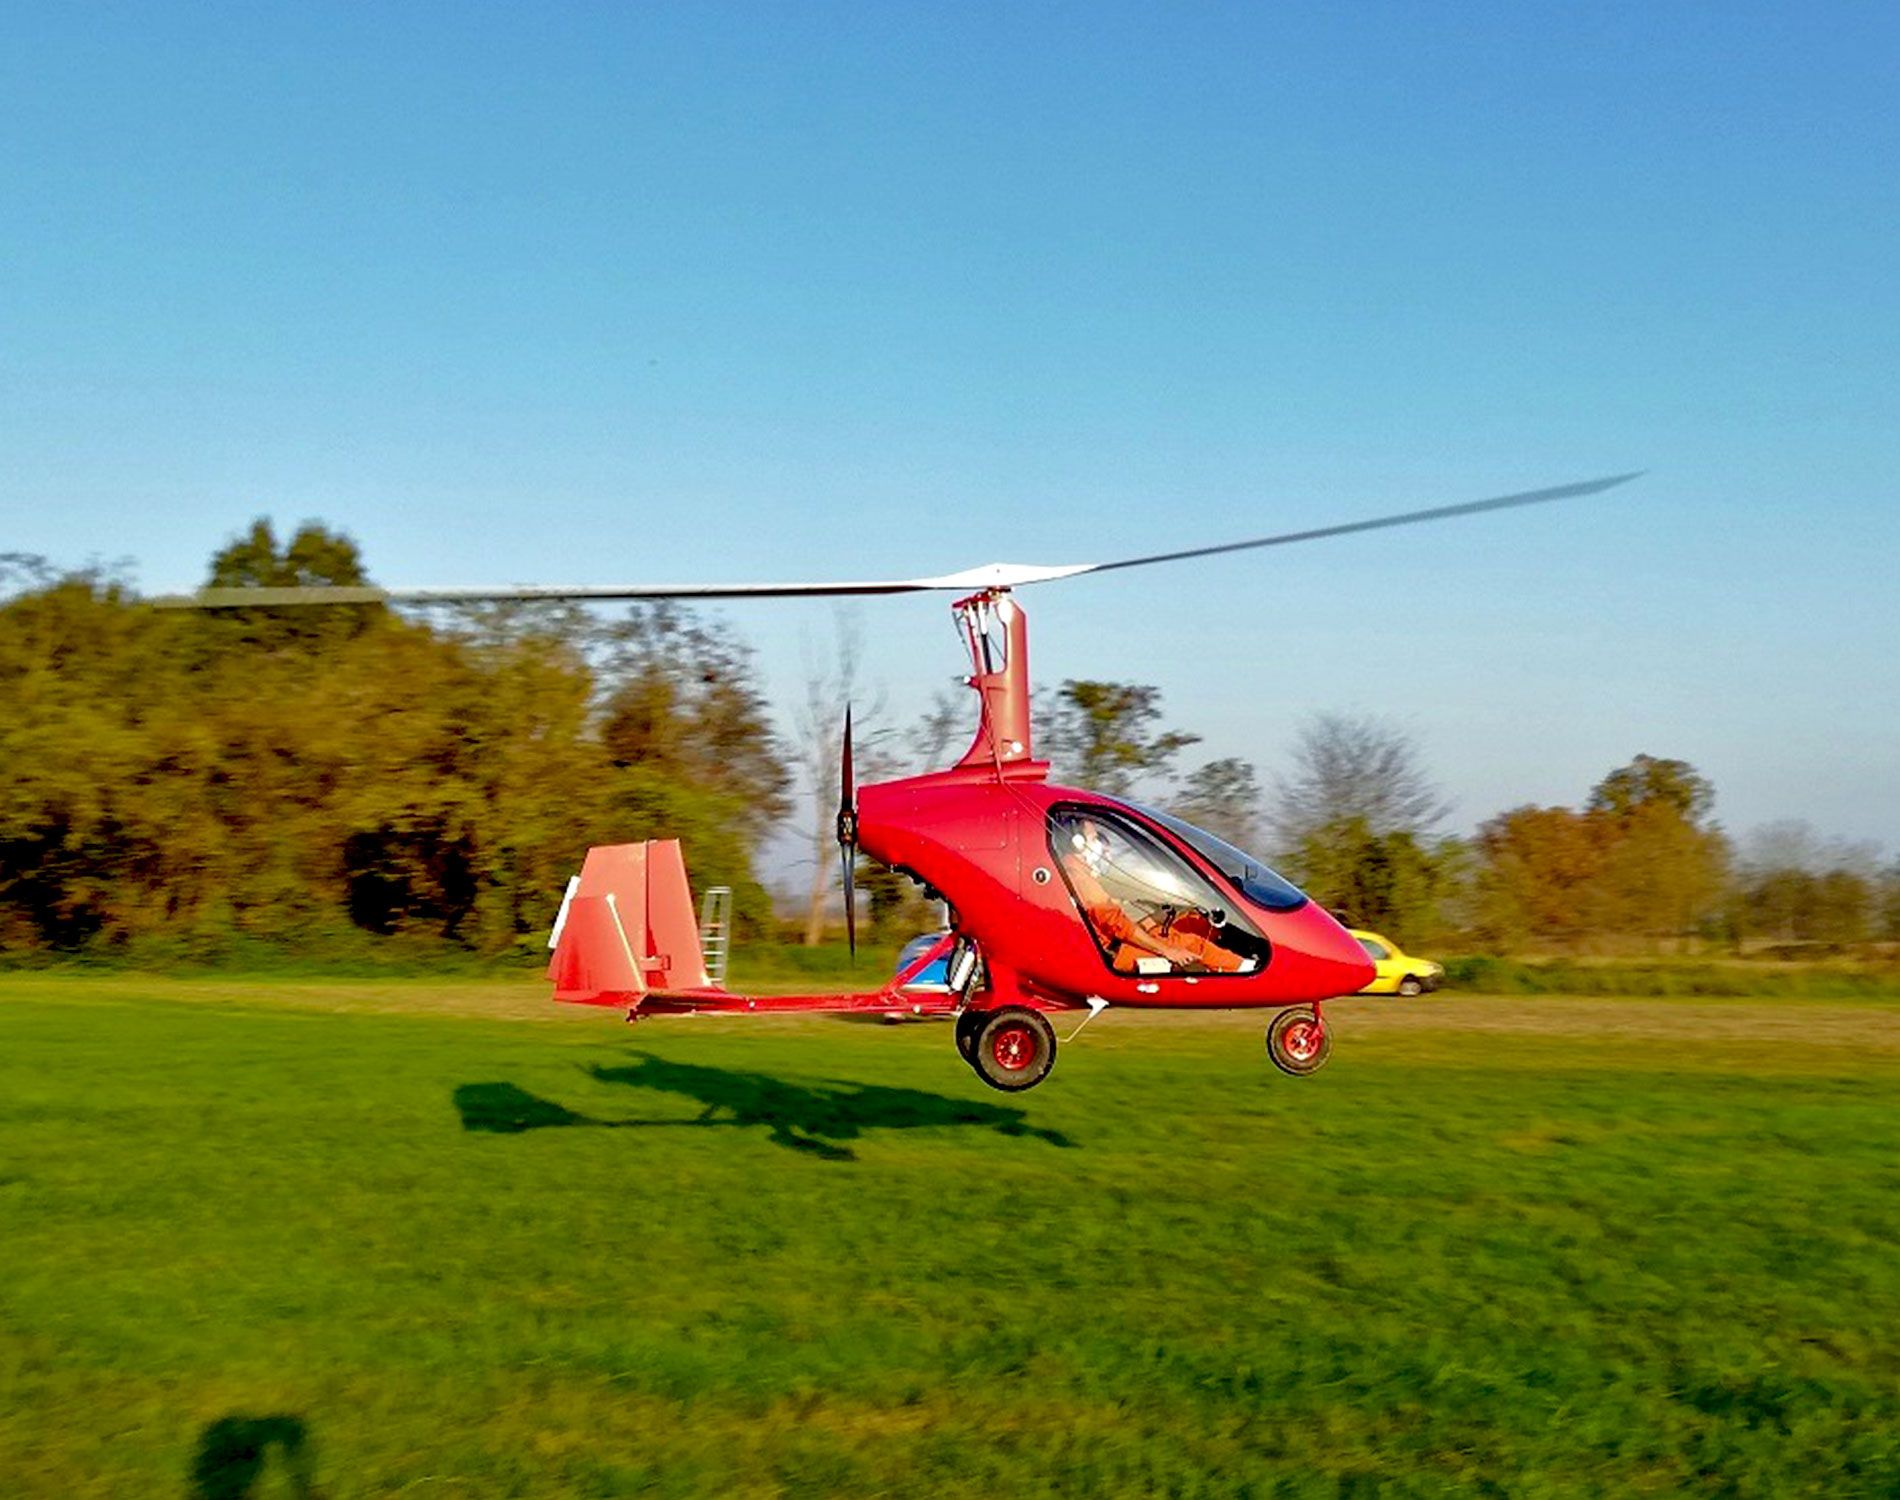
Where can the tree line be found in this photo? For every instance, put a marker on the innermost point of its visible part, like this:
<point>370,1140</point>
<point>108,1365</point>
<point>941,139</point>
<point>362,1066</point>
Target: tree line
<point>184,783</point>
<point>1356,819</point>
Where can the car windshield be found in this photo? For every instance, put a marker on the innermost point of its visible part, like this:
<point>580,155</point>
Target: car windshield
<point>1256,881</point>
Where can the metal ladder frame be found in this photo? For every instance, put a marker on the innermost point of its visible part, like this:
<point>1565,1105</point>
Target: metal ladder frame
<point>715,930</point>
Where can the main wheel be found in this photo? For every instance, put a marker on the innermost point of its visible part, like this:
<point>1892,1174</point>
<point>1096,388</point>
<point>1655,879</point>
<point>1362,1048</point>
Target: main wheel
<point>1299,1042</point>
<point>1015,1049</point>
<point>969,1022</point>
<point>1409,986</point>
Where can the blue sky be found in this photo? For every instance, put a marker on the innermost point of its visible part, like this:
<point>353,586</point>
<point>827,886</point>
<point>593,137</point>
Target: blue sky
<point>578,293</point>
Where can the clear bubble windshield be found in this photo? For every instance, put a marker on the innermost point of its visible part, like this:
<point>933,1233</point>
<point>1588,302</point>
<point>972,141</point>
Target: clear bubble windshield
<point>1255,880</point>
<point>1149,910</point>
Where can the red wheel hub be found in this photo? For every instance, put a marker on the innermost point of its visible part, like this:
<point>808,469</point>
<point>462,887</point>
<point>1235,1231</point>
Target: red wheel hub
<point>1301,1040</point>
<point>1013,1047</point>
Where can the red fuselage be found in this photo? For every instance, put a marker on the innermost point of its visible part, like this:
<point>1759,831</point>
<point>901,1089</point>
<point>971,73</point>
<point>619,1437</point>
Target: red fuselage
<point>979,835</point>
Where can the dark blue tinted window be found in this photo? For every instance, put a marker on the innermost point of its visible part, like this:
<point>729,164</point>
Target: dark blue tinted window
<point>1255,880</point>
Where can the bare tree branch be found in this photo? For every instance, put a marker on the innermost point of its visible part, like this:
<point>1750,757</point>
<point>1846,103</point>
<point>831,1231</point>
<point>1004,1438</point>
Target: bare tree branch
<point>818,729</point>
<point>1349,767</point>
<point>1223,797</point>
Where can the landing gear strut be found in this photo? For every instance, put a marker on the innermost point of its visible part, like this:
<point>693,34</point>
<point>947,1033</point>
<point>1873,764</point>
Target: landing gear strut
<point>1299,1041</point>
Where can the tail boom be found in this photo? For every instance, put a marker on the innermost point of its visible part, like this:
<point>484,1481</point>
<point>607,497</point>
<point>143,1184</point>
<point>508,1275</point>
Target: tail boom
<point>626,937</point>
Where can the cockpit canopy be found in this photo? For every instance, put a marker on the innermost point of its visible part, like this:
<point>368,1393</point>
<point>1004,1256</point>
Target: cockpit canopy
<point>1148,908</point>
<point>1252,877</point>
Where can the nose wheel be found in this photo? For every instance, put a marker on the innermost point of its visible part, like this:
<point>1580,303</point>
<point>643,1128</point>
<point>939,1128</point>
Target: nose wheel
<point>1299,1041</point>
<point>1011,1049</point>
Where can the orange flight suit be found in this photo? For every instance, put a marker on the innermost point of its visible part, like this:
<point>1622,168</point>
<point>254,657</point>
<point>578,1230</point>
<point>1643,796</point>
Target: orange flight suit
<point>1183,945</point>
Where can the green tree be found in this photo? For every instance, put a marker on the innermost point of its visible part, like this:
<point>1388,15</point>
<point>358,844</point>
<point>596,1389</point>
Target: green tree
<point>1662,875</point>
<point>1538,870</point>
<point>1108,736</point>
<point>1639,863</point>
<point>1354,818</point>
<point>1650,781</point>
<point>1389,881</point>
<point>314,557</point>
<point>1844,908</point>
<point>1793,886</point>
<point>683,697</point>
<point>191,780</point>
<point>1223,797</point>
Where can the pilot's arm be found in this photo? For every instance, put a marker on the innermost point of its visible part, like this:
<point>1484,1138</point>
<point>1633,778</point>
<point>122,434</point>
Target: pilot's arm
<point>1114,923</point>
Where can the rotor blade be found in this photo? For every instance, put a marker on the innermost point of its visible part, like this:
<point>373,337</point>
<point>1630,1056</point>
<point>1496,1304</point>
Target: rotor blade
<point>1376,523</point>
<point>511,593</point>
<point>989,576</point>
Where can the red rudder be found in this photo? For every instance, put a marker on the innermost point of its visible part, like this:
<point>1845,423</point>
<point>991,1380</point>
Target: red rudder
<point>626,927</point>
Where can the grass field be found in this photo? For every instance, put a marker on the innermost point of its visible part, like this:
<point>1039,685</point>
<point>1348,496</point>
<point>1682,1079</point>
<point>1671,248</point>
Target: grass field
<point>424,1239</point>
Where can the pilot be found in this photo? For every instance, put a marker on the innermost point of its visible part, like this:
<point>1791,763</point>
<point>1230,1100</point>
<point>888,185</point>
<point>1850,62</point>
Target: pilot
<point>1186,943</point>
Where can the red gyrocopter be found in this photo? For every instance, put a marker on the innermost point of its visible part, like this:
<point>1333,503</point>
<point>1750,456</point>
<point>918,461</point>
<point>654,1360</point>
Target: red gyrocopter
<point>1059,898</point>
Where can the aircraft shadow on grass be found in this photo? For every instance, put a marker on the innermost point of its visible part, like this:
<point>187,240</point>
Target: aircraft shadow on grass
<point>234,1452</point>
<point>814,1120</point>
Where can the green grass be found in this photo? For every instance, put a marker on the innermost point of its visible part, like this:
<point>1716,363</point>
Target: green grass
<point>491,1248</point>
<point>1840,979</point>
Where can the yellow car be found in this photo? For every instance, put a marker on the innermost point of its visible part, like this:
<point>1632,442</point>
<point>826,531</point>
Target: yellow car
<point>1396,972</point>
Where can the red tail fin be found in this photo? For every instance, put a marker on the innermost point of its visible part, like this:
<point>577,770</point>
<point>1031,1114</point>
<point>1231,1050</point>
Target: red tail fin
<point>627,927</point>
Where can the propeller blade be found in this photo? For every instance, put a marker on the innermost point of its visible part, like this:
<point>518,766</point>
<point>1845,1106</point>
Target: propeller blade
<point>989,576</point>
<point>851,900</point>
<point>848,833</point>
<point>847,779</point>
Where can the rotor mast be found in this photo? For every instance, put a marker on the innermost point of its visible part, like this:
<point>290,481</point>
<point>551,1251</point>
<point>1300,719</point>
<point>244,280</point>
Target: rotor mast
<point>996,633</point>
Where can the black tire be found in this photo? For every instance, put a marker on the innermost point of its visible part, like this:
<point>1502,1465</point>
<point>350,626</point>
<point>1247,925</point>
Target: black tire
<point>1298,1042</point>
<point>1015,1049</point>
<point>969,1022</point>
<point>1410,986</point>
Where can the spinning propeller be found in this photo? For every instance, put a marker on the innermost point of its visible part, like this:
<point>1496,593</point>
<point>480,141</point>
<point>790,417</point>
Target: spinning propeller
<point>848,834</point>
<point>990,576</point>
